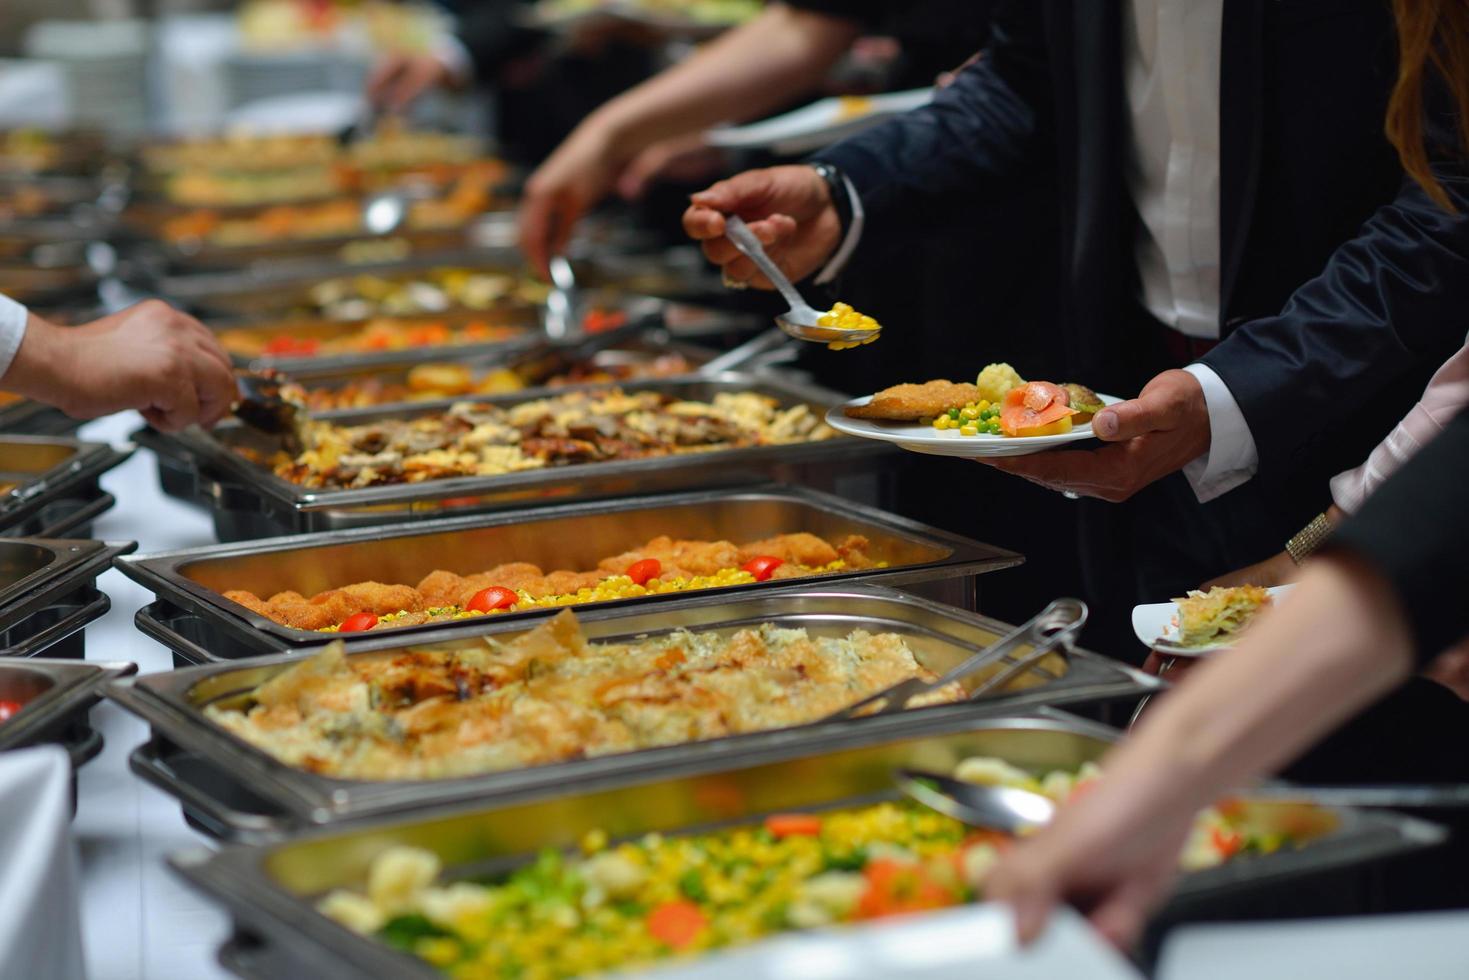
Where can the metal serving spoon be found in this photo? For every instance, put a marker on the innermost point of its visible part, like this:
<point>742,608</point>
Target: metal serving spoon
<point>1013,810</point>
<point>800,320</point>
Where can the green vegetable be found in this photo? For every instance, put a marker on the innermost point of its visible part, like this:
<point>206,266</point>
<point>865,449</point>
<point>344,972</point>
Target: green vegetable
<point>404,931</point>
<point>691,883</point>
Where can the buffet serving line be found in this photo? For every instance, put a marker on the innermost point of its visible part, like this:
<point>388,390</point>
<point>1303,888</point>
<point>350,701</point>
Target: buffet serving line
<point>533,628</point>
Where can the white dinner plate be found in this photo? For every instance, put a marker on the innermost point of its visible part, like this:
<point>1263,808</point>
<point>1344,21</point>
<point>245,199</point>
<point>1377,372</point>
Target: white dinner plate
<point>919,438</point>
<point>819,124</point>
<point>1154,621</point>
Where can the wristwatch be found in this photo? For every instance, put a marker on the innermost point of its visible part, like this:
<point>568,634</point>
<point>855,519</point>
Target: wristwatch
<point>1308,539</point>
<point>836,185</point>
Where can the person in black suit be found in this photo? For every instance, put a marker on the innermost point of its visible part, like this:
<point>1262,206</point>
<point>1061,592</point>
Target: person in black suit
<point>1239,246</point>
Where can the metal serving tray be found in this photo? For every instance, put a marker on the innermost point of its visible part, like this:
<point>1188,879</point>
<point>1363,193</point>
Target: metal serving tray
<point>640,314</point>
<point>578,536</point>
<point>271,890</point>
<point>251,502</point>
<point>939,635</point>
<point>48,594</point>
<point>56,696</point>
<point>57,493</point>
<point>276,292</point>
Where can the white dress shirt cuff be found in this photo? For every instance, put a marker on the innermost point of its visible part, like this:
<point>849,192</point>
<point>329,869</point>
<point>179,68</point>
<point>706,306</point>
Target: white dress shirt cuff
<point>1232,458</point>
<point>450,52</point>
<point>13,318</point>
<point>844,252</point>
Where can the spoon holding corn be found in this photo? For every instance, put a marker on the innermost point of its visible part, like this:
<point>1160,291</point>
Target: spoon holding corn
<point>839,328</point>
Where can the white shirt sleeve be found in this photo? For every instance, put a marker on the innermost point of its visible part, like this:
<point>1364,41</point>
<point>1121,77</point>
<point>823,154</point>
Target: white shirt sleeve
<point>13,318</point>
<point>843,255</point>
<point>450,52</point>
<point>1232,458</point>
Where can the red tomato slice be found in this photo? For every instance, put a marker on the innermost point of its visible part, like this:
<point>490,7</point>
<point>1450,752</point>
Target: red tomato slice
<point>763,566</point>
<point>495,597</point>
<point>358,623</point>
<point>641,571</point>
<point>9,709</point>
<point>1032,405</point>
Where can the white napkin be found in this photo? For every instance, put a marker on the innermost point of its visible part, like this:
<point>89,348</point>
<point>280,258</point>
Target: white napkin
<point>40,923</point>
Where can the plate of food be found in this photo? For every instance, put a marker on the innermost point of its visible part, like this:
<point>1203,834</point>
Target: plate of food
<point>819,124</point>
<point>1202,622</point>
<point>1000,414</point>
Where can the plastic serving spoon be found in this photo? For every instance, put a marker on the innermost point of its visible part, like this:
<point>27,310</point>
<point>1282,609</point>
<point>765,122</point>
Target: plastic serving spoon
<point>800,320</point>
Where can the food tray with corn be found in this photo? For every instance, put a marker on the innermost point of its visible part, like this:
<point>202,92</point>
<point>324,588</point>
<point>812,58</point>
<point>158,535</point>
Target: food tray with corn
<point>250,501</point>
<point>234,788</point>
<point>273,890</point>
<point>195,617</point>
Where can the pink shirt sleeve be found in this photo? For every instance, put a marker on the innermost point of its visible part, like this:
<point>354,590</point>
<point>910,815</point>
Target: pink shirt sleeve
<point>1446,394</point>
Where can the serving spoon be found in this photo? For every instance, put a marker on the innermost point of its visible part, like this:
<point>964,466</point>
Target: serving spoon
<point>1013,810</point>
<point>800,320</point>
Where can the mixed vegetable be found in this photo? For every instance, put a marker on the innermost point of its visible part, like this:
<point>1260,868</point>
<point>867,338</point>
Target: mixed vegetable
<point>628,904</point>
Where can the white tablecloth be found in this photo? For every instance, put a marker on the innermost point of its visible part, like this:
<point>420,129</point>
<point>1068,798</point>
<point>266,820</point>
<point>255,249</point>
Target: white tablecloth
<point>40,932</point>
<point>138,919</point>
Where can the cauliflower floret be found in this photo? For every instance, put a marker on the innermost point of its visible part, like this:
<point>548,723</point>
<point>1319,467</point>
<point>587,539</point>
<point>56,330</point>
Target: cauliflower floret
<point>826,898</point>
<point>988,771</point>
<point>979,860</point>
<point>458,903</point>
<point>613,873</point>
<point>357,912</point>
<point>399,875</point>
<point>995,382</point>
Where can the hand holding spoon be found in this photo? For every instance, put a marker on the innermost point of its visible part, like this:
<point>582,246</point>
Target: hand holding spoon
<point>801,320</point>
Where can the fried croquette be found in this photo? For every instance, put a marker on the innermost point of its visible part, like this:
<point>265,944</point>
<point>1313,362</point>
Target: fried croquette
<point>913,402</point>
<point>441,591</point>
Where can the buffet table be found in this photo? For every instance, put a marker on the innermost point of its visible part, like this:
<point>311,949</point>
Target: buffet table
<point>138,920</point>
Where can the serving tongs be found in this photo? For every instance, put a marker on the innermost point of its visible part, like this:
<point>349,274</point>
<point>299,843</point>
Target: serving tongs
<point>263,408</point>
<point>1014,810</point>
<point>1054,628</point>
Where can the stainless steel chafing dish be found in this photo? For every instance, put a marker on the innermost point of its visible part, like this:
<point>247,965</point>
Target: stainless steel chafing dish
<point>55,696</point>
<point>49,484</point>
<point>250,502</point>
<point>233,788</point>
<point>271,890</point>
<point>639,314</point>
<point>196,621</point>
<point>48,593</point>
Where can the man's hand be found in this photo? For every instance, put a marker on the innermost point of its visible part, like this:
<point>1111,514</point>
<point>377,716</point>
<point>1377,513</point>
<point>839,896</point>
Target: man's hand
<point>399,79</point>
<point>788,208</point>
<point>1158,432</point>
<point>149,357</point>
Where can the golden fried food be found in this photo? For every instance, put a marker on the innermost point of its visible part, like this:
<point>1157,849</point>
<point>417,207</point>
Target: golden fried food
<point>664,564</point>
<point>911,402</point>
<point>550,694</point>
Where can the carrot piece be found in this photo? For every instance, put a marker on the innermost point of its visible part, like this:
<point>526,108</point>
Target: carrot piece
<point>677,923</point>
<point>793,824</point>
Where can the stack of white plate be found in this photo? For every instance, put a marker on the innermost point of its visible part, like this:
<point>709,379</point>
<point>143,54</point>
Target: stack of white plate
<point>251,77</point>
<point>106,69</point>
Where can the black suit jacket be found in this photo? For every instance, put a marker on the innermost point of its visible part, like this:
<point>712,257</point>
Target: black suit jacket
<point>1340,278</point>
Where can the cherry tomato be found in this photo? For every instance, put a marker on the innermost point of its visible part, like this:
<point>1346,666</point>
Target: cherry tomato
<point>599,320</point>
<point>495,597</point>
<point>9,709</point>
<point>641,571</point>
<point>763,566</point>
<point>358,623</point>
<point>286,344</point>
